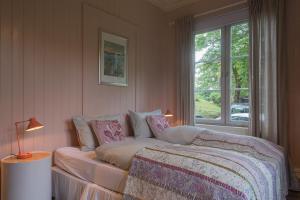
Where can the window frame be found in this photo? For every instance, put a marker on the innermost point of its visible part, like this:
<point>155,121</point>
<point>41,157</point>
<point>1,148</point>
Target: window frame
<point>224,23</point>
<point>228,76</point>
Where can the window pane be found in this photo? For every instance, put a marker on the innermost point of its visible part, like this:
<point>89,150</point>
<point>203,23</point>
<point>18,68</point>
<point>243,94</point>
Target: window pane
<point>239,83</point>
<point>208,75</point>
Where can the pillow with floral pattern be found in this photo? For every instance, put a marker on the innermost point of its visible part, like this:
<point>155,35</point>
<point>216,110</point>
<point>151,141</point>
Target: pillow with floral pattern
<point>157,123</point>
<point>108,131</point>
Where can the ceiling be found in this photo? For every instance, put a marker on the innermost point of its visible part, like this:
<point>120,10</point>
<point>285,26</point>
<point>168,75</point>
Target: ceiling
<point>169,5</point>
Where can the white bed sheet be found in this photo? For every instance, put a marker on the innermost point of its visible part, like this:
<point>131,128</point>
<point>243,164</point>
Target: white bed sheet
<point>85,166</point>
<point>68,187</point>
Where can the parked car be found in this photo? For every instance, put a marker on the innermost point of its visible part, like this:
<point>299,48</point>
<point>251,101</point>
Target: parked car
<point>240,117</point>
<point>240,108</point>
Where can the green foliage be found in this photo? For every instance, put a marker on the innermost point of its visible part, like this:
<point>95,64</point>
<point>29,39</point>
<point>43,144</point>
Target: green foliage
<point>207,109</point>
<point>215,97</point>
<point>208,69</point>
<point>239,54</point>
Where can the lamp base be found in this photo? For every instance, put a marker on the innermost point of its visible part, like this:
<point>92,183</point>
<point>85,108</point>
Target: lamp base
<point>24,155</point>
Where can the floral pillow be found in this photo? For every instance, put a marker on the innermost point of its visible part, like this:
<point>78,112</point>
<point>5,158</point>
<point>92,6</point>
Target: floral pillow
<point>157,123</point>
<point>108,131</point>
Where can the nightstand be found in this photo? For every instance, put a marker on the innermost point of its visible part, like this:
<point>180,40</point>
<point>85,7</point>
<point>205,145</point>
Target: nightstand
<point>26,179</point>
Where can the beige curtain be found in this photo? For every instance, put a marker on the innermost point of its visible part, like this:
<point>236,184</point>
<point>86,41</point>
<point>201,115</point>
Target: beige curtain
<point>184,67</point>
<point>268,75</point>
<point>266,84</point>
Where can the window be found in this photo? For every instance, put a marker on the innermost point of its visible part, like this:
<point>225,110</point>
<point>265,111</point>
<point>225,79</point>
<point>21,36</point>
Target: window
<point>221,92</point>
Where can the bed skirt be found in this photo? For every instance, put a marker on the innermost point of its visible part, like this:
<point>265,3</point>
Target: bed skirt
<point>68,187</point>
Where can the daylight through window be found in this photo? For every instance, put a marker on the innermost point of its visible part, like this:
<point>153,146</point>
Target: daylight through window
<point>221,75</point>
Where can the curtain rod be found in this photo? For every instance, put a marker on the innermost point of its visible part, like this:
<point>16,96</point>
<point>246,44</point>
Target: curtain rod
<point>215,10</point>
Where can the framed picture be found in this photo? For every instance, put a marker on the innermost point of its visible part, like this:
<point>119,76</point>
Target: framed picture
<point>113,60</point>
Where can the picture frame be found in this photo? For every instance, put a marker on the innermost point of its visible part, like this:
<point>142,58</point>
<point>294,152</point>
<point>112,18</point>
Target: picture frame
<point>113,67</point>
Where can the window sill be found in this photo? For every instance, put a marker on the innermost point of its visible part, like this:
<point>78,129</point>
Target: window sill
<point>229,129</point>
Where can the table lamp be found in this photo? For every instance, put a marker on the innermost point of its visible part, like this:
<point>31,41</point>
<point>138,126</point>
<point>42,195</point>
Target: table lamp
<point>33,125</point>
<point>168,113</point>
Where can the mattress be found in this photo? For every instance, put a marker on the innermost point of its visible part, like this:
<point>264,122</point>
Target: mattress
<point>86,166</point>
<point>68,187</point>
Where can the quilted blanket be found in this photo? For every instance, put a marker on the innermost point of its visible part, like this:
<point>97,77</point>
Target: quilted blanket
<point>214,166</point>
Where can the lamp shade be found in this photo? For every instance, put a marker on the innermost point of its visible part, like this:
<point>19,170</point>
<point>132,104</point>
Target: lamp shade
<point>33,125</point>
<point>168,114</point>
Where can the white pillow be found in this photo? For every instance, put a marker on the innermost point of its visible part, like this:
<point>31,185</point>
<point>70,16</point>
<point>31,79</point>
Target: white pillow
<point>86,139</point>
<point>180,134</point>
<point>139,124</point>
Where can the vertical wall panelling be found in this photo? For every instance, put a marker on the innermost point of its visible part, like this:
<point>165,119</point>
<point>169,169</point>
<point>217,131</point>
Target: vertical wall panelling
<point>48,75</point>
<point>17,66</point>
<point>43,73</point>
<point>103,99</point>
<point>28,64</point>
<point>6,125</point>
<point>39,71</point>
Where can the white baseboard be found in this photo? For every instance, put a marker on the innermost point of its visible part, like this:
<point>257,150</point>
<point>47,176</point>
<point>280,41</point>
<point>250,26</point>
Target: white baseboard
<point>297,172</point>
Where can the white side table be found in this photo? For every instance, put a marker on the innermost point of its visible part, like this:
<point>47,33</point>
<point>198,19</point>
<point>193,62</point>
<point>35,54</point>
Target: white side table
<point>28,179</point>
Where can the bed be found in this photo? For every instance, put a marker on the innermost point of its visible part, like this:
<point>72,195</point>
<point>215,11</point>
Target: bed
<point>66,186</point>
<point>80,175</point>
<point>201,165</point>
<point>85,166</point>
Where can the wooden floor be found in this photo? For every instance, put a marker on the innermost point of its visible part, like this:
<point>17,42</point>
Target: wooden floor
<point>294,196</point>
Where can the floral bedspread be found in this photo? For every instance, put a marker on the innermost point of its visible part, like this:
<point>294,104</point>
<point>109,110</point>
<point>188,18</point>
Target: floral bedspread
<point>214,166</point>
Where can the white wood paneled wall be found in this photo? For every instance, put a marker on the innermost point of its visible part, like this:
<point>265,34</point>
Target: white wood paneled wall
<point>40,71</point>
<point>41,67</point>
